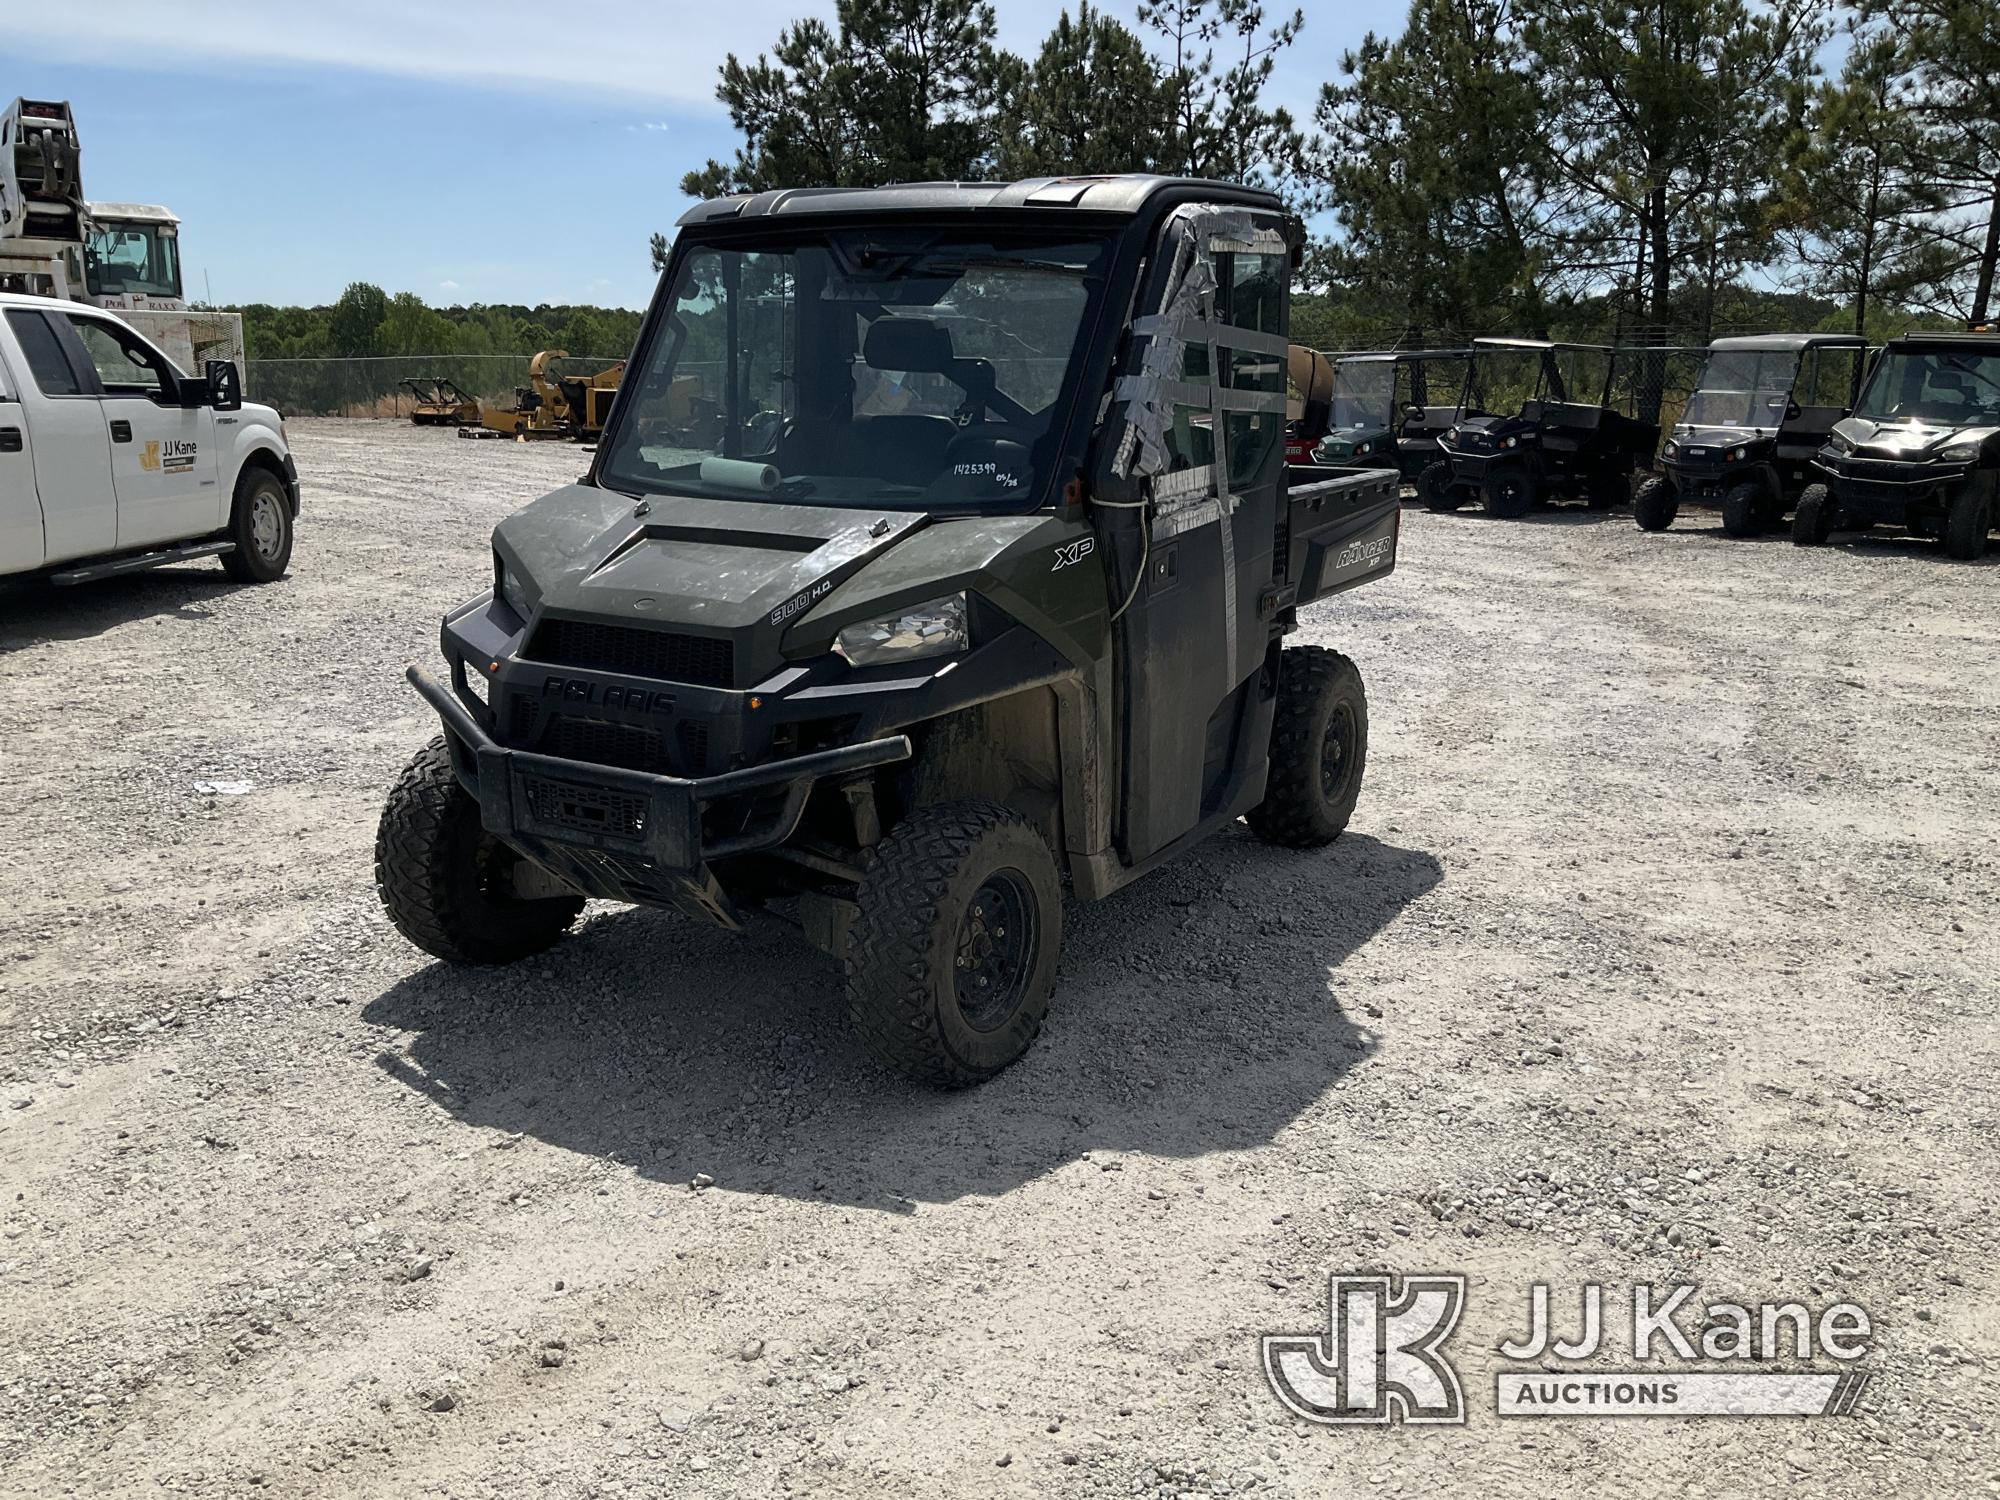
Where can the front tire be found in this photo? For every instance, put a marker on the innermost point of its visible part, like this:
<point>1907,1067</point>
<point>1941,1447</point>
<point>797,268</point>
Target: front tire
<point>1319,750</point>
<point>1508,493</point>
<point>1966,524</point>
<point>260,523</point>
<point>952,954</point>
<point>1655,503</point>
<point>446,882</point>
<point>1812,522</point>
<point>1741,510</point>
<point>1435,489</point>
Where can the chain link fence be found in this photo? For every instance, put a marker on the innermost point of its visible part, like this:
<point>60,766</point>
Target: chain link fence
<point>374,387</point>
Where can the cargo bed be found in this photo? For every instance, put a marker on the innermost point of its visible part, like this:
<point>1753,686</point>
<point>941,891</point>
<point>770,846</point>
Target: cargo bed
<point>1342,528</point>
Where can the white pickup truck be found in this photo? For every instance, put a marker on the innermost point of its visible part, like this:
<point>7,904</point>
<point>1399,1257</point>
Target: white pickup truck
<point>113,461</point>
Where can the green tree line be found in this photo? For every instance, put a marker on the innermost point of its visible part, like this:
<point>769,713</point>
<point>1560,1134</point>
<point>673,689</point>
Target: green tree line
<point>1644,168</point>
<point>368,323</point>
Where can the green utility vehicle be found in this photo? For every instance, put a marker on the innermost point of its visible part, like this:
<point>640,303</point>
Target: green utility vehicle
<point>938,553</point>
<point>1389,410</point>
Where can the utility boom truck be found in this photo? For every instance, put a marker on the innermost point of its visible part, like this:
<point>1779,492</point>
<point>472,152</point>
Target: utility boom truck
<point>124,257</point>
<point>969,571</point>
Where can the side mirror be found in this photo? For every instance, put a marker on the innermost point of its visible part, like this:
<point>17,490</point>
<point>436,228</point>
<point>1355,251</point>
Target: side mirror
<point>225,385</point>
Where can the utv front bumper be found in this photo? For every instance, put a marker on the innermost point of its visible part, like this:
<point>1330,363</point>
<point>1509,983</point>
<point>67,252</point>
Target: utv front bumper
<point>1890,492</point>
<point>627,835</point>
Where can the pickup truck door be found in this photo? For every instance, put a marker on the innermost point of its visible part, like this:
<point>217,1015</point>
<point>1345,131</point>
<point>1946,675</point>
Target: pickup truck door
<point>55,405</point>
<point>163,461</point>
<point>20,507</point>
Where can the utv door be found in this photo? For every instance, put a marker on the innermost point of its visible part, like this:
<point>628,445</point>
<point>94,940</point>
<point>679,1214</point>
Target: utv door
<point>1191,645</point>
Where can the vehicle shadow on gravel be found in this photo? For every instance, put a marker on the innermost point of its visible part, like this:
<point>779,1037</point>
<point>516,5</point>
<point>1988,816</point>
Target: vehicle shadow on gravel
<point>1201,1010</point>
<point>35,610</point>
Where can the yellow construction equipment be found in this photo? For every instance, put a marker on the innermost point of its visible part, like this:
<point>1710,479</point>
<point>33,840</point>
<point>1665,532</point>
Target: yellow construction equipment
<point>440,402</point>
<point>552,404</point>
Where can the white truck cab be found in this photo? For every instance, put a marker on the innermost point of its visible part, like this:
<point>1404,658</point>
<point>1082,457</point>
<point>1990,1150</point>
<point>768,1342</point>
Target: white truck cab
<point>114,460</point>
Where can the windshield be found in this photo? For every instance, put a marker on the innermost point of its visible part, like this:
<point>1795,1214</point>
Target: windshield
<point>1364,393</point>
<point>1501,381</point>
<point>1742,388</point>
<point>132,260</point>
<point>1941,386</point>
<point>905,369</point>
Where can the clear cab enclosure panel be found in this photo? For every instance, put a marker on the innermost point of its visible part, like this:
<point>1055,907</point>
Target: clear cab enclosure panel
<point>918,370</point>
<point>133,261</point>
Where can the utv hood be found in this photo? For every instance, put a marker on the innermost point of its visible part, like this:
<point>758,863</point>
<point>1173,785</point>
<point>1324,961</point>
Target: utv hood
<point>1908,442</point>
<point>734,570</point>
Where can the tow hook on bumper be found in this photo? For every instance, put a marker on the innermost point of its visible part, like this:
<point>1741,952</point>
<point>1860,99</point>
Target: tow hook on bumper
<point>631,835</point>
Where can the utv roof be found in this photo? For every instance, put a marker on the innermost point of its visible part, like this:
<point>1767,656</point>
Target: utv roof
<point>1779,342</point>
<point>1390,355</point>
<point>1539,344</point>
<point>1948,340</point>
<point>1126,196</point>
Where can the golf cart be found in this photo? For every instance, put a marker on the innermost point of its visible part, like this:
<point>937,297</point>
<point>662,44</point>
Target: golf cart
<point>1921,450</point>
<point>1390,409</point>
<point>1760,409</point>
<point>1537,419</point>
<point>978,579</point>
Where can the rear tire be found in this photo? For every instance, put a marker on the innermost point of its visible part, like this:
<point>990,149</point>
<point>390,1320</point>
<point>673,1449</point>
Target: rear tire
<point>1656,503</point>
<point>1740,510</point>
<point>1435,489</point>
<point>1966,524</point>
<point>260,523</point>
<point>1319,750</point>
<point>444,880</point>
<point>1812,522</point>
<point>952,954</point>
<point>1508,493</point>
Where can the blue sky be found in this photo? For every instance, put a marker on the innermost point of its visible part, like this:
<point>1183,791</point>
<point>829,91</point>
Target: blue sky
<point>468,153</point>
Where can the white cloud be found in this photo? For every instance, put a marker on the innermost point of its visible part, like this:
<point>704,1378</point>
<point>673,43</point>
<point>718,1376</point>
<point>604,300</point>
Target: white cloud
<point>447,286</point>
<point>634,51</point>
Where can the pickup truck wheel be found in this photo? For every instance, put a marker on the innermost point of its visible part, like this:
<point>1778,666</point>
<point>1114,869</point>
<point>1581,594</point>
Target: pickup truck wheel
<point>260,523</point>
<point>1508,493</point>
<point>1435,489</point>
<point>447,883</point>
<point>1319,750</point>
<point>1966,525</point>
<point>952,954</point>
<point>1812,522</point>
<point>1656,503</point>
<point>1741,509</point>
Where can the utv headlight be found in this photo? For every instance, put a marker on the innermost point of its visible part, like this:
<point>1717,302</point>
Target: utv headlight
<point>1509,442</point>
<point>513,588</point>
<point>933,629</point>
<point>1737,455</point>
<point>1670,449</point>
<point>1840,443</point>
<point>1959,453</point>
<point>1360,450</point>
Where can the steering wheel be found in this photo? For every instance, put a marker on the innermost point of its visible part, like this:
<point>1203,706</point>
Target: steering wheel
<point>762,431</point>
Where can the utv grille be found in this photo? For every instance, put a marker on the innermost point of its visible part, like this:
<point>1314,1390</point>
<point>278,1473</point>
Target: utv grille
<point>664,654</point>
<point>606,744</point>
<point>586,809</point>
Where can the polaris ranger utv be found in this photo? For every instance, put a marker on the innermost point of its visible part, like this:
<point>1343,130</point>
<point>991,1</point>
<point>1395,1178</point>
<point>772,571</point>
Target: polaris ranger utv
<point>1389,410</point>
<point>1535,419</point>
<point>1921,450</point>
<point>1760,409</point>
<point>970,574</point>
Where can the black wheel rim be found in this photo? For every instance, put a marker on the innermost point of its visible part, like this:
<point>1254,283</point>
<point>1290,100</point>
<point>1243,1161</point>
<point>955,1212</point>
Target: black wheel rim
<point>995,951</point>
<point>1336,753</point>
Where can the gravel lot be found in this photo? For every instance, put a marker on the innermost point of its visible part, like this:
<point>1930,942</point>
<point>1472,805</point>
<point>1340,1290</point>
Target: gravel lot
<point>1662,949</point>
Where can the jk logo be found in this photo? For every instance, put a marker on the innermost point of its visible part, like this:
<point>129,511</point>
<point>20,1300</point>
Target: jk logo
<point>1378,1361</point>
